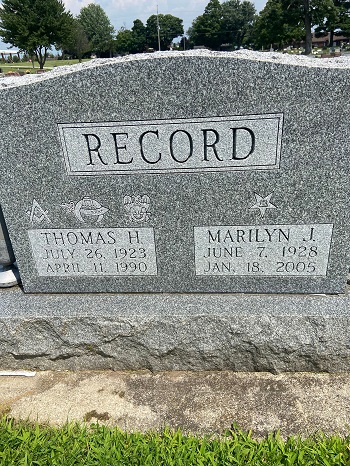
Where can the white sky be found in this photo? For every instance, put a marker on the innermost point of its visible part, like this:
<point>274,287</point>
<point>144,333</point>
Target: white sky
<point>124,12</point>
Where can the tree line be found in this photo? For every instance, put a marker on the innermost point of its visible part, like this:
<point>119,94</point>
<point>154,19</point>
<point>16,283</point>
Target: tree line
<point>235,23</point>
<point>35,26</point>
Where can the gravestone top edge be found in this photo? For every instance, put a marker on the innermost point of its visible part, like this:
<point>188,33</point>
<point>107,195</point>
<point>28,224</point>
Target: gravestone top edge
<point>342,62</point>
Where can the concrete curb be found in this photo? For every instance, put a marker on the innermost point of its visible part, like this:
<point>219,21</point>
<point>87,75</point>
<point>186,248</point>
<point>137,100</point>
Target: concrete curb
<point>197,402</point>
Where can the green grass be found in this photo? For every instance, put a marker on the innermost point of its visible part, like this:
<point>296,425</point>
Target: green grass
<point>24,66</point>
<point>73,444</point>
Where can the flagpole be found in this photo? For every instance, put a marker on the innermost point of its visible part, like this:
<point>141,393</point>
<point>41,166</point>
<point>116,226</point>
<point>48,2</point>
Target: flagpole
<point>158,28</point>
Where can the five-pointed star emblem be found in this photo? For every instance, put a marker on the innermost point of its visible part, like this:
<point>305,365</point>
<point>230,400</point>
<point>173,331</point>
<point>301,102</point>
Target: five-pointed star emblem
<point>263,203</point>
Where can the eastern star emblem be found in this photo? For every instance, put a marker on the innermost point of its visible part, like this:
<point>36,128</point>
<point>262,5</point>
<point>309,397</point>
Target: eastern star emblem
<point>37,214</point>
<point>263,203</point>
<point>85,209</point>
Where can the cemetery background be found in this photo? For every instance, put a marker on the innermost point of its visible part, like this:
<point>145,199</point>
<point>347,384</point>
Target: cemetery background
<point>294,28</point>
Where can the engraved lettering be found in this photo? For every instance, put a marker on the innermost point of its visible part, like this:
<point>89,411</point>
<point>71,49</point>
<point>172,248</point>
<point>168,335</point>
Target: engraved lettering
<point>267,250</point>
<point>235,155</point>
<point>46,235</point>
<point>190,145</point>
<point>284,234</point>
<point>96,251</point>
<point>218,267</point>
<point>228,237</point>
<point>58,254</point>
<point>58,237</point>
<point>269,234</point>
<point>111,236</point>
<point>249,235</point>
<point>134,237</point>
<point>212,144</point>
<point>218,252</point>
<point>311,237</point>
<point>96,149</point>
<point>100,238</point>
<point>240,236</point>
<point>214,238</point>
<point>312,234</point>
<point>142,151</point>
<point>72,238</point>
<point>86,239</point>
<point>251,142</point>
<point>63,268</point>
<point>117,148</point>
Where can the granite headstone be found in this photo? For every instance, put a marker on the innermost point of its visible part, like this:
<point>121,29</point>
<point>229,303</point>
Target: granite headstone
<point>179,172</point>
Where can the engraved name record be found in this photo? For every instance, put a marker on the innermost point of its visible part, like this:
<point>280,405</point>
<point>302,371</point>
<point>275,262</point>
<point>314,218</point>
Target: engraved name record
<point>251,142</point>
<point>264,250</point>
<point>94,252</point>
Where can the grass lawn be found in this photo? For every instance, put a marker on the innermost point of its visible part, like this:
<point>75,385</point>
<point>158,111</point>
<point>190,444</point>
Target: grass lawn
<point>24,66</point>
<point>25,444</point>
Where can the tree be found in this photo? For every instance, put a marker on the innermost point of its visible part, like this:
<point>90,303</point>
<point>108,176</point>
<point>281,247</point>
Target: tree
<point>282,21</point>
<point>169,27</point>
<point>34,25</point>
<point>338,20</point>
<point>275,26</point>
<point>207,28</point>
<point>228,23</point>
<point>123,42</point>
<point>133,41</point>
<point>343,16</point>
<point>139,37</point>
<point>185,43</point>
<point>237,22</point>
<point>308,13</point>
<point>76,42</point>
<point>97,27</point>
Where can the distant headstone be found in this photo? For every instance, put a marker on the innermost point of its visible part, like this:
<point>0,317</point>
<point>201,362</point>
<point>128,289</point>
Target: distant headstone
<point>179,172</point>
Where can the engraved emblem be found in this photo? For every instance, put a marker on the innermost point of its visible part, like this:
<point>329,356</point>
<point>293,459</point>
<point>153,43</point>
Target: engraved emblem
<point>86,209</point>
<point>137,208</point>
<point>263,203</point>
<point>37,214</point>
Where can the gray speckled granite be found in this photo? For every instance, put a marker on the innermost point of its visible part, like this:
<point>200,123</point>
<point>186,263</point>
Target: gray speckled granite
<point>6,253</point>
<point>305,187</point>
<point>174,332</point>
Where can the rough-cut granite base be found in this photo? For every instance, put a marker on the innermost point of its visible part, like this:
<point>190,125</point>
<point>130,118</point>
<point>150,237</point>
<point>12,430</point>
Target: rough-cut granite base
<point>175,332</point>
